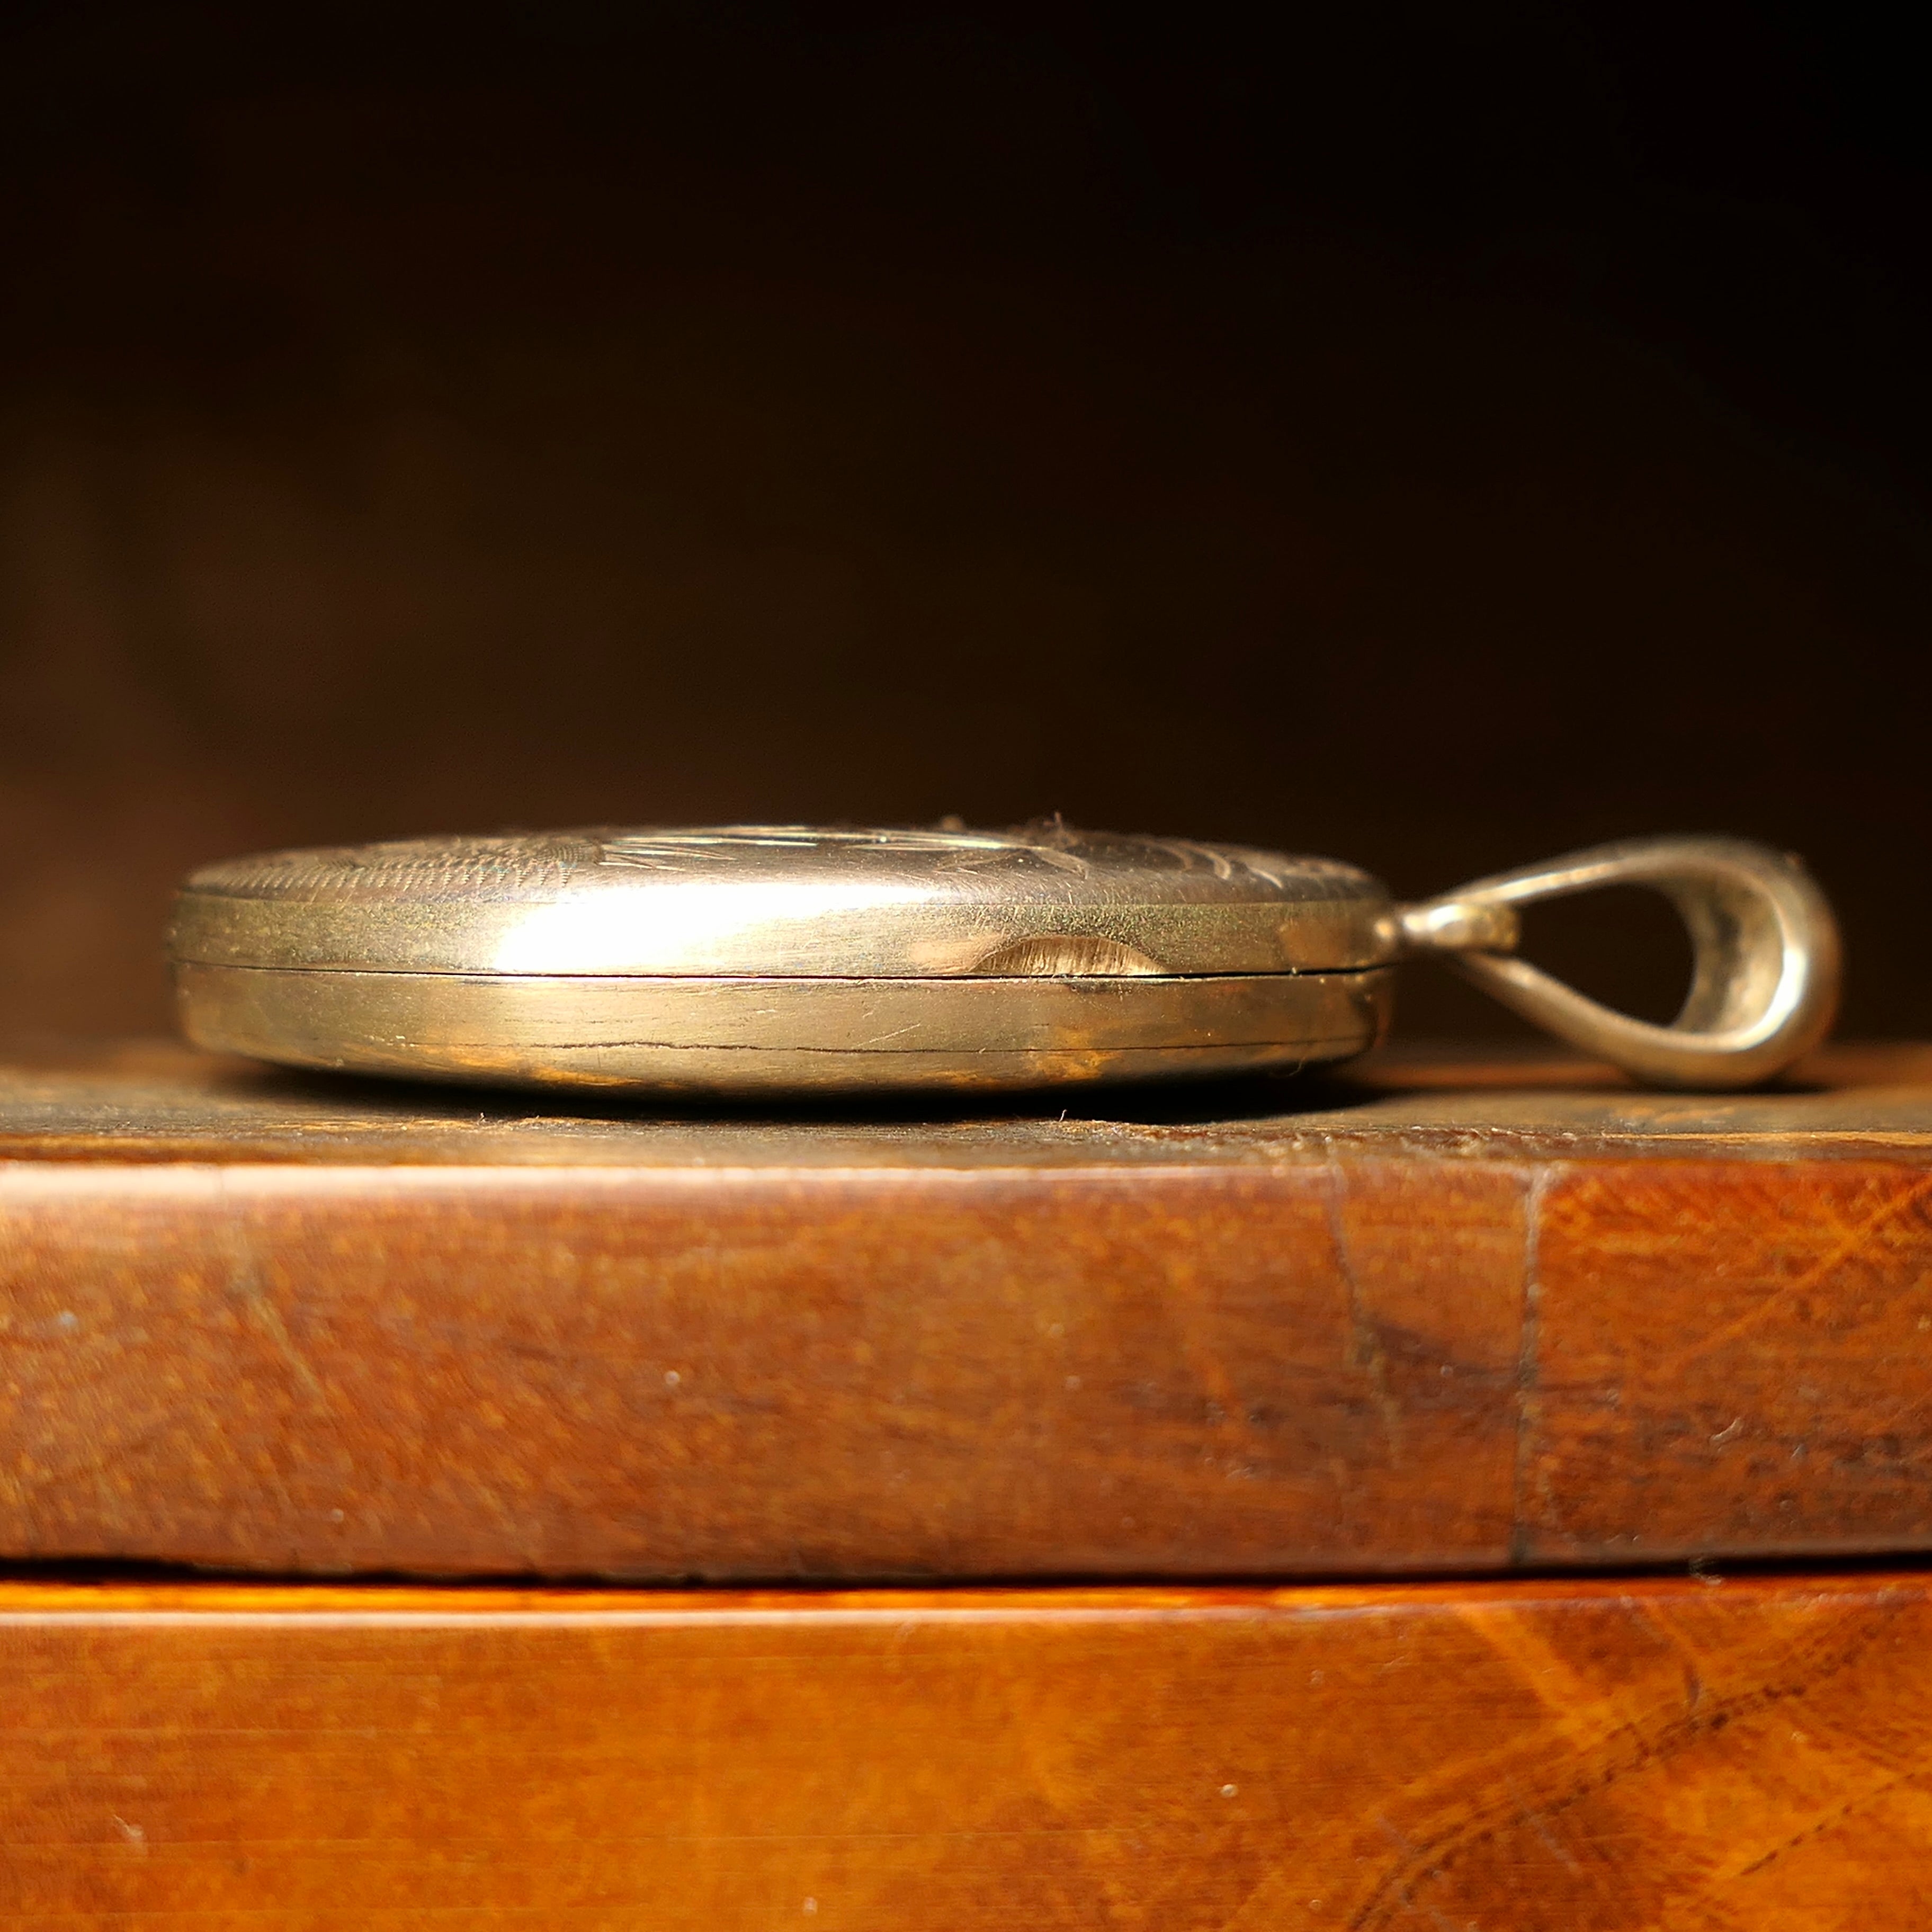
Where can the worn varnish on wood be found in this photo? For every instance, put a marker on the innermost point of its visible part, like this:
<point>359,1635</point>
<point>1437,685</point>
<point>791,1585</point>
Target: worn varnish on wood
<point>1521,1757</point>
<point>1459,1317</point>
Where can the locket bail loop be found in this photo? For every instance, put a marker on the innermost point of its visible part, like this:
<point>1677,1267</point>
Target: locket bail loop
<point>1764,947</point>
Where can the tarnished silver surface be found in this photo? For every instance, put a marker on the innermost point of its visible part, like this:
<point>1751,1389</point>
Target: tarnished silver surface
<point>793,1035</point>
<point>762,959</point>
<point>785,900</point>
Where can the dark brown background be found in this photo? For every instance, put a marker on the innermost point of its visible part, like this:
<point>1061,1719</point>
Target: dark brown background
<point>1437,437</point>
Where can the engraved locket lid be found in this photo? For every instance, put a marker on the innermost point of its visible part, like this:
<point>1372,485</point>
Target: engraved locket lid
<point>789,901</point>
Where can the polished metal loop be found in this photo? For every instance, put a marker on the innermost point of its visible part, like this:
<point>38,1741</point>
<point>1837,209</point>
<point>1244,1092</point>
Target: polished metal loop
<point>1764,983</point>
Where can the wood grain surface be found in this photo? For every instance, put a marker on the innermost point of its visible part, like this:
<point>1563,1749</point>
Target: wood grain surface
<point>1751,1757</point>
<point>1457,1318</point>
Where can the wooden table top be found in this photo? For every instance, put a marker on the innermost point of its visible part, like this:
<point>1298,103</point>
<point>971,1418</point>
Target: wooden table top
<point>1461,1315</point>
<point>153,1100</point>
<point>1455,1316</point>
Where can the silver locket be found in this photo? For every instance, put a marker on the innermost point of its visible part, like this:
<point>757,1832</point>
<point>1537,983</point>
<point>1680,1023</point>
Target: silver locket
<point>786,959</point>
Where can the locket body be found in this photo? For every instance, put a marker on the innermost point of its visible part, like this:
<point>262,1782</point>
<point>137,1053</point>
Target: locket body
<point>749,960</point>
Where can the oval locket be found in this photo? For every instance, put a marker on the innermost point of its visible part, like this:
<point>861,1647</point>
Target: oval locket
<point>785,959</point>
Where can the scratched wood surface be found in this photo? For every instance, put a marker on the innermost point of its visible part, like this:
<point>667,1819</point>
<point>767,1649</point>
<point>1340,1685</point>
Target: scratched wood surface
<point>1457,1317</point>
<point>1753,1757</point>
<point>152,1100</point>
